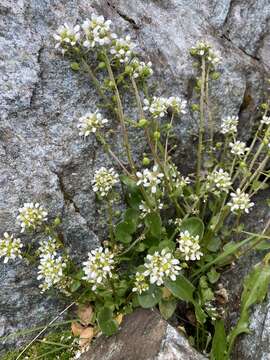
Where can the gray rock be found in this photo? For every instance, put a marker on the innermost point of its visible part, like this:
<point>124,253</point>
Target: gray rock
<point>41,156</point>
<point>144,335</point>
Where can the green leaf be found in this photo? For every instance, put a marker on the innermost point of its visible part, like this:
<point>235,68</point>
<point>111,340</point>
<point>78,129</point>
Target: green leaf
<point>213,244</point>
<point>194,226</point>
<point>255,289</point>
<point>213,276</point>
<point>75,66</point>
<point>153,223</point>
<point>131,218</point>
<point>150,298</point>
<point>106,322</point>
<point>75,285</point>
<point>167,307</point>
<point>122,233</point>
<point>183,289</point>
<point>167,244</point>
<point>219,344</point>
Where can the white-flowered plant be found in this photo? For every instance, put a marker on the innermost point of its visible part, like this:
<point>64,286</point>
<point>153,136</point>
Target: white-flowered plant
<point>10,247</point>
<point>146,209</point>
<point>177,105</point>
<point>140,283</point>
<point>161,265</point>
<point>98,267</point>
<point>122,49</point>
<point>91,123</point>
<point>204,49</point>
<point>139,69</point>
<point>104,180</point>
<point>240,202</point>
<point>67,37</point>
<point>265,120</point>
<point>189,246</point>
<point>150,179</point>
<point>219,180</point>
<point>31,216</point>
<point>238,148</point>
<point>51,271</point>
<point>157,106</point>
<point>229,125</point>
<point>97,31</point>
<point>48,247</point>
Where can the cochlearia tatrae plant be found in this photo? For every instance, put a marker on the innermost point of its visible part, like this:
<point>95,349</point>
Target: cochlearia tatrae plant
<point>178,232</point>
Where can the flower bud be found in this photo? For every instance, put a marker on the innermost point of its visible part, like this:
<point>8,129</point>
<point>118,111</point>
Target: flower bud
<point>146,161</point>
<point>142,123</point>
<point>156,135</point>
<point>101,65</point>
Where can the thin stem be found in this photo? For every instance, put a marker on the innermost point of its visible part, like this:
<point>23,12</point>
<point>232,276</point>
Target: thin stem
<point>167,140</point>
<point>210,118</point>
<point>120,113</point>
<point>201,128</point>
<point>92,77</point>
<point>257,172</point>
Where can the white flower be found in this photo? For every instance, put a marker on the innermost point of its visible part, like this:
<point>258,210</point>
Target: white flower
<point>219,180</point>
<point>90,123</point>
<point>189,246</point>
<point>177,105</point>
<point>104,180</point>
<point>122,49</point>
<point>97,31</point>
<point>203,49</point>
<point>229,125</point>
<point>48,247</point>
<point>140,283</point>
<point>157,107</point>
<point>31,216</point>
<point>10,247</point>
<point>139,69</point>
<point>179,181</point>
<point>150,179</point>
<point>51,271</point>
<point>66,37</point>
<point>99,266</point>
<point>238,148</point>
<point>160,266</point>
<point>240,202</point>
<point>146,209</point>
<point>265,120</point>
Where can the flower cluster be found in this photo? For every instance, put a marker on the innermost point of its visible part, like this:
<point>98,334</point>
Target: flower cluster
<point>31,216</point>
<point>159,106</point>
<point>229,125</point>
<point>150,179</point>
<point>66,37</point>
<point>219,180</point>
<point>238,148</point>
<point>240,202</point>
<point>146,209</point>
<point>265,120</point>
<point>104,180</point>
<point>179,181</point>
<point>140,283</point>
<point>90,123</point>
<point>48,247</point>
<point>122,49</point>
<point>139,69</point>
<point>161,265</point>
<point>189,246</point>
<point>99,266</point>
<point>203,49</point>
<point>10,247</point>
<point>97,31</point>
<point>51,270</point>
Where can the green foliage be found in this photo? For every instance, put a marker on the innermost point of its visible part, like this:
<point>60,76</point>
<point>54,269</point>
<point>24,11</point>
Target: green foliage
<point>107,324</point>
<point>256,285</point>
<point>150,297</point>
<point>219,344</point>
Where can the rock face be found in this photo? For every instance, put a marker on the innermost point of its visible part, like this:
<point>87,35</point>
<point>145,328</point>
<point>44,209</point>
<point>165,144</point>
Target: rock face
<point>144,335</point>
<point>42,157</point>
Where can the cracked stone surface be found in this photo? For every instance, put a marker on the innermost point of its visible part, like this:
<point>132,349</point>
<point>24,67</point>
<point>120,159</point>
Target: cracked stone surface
<point>42,157</point>
<point>143,335</point>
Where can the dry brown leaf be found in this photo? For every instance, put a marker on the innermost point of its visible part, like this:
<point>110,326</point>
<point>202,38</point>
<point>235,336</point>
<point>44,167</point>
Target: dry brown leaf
<point>119,318</point>
<point>166,293</point>
<point>86,336</point>
<point>85,313</point>
<point>76,328</point>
